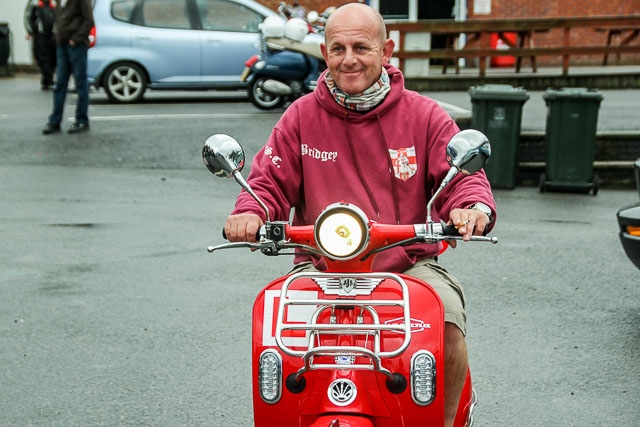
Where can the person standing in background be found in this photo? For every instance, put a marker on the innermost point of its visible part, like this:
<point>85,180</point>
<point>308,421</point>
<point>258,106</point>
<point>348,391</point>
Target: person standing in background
<point>73,25</point>
<point>39,21</point>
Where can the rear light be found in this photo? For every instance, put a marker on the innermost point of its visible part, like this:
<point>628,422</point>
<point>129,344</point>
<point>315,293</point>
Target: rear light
<point>252,60</point>
<point>92,37</point>
<point>423,377</point>
<point>270,376</point>
<point>633,230</point>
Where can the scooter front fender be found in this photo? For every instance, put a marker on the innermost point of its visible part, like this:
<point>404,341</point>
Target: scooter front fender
<point>343,421</point>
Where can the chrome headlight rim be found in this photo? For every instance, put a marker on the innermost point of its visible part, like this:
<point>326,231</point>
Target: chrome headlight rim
<point>333,218</point>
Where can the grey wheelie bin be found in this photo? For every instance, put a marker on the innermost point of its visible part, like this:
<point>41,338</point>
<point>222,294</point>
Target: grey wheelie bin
<point>572,120</point>
<point>497,112</point>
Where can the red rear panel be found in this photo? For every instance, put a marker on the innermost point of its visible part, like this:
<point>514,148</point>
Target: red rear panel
<point>372,397</point>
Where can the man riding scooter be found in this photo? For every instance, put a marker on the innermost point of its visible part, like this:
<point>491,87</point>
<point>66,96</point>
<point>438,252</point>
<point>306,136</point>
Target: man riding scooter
<point>359,117</point>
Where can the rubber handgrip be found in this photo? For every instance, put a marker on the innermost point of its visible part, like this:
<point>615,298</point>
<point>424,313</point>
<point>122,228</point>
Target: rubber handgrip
<point>449,230</point>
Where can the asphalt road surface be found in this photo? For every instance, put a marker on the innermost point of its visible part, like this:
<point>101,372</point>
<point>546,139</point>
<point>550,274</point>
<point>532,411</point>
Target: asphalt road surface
<point>112,313</point>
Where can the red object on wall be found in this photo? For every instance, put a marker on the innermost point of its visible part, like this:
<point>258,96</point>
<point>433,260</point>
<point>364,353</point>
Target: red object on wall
<point>499,44</point>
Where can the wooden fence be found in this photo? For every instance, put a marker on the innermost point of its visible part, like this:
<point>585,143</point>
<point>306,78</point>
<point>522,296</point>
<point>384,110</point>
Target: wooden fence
<point>621,31</point>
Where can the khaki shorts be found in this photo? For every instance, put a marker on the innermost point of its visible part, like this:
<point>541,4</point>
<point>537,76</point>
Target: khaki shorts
<point>448,288</point>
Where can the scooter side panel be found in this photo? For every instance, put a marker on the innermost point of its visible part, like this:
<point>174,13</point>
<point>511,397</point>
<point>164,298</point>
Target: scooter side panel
<point>373,400</point>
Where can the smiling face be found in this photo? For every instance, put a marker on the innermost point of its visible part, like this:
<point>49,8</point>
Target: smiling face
<point>355,47</point>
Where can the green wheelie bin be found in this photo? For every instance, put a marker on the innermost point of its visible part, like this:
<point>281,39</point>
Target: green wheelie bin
<point>497,112</point>
<point>572,120</point>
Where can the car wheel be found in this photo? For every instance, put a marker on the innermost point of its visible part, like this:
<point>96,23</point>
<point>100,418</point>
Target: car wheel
<point>125,82</point>
<point>262,99</point>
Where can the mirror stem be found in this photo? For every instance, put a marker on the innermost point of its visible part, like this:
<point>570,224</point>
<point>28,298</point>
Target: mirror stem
<point>450,175</point>
<point>240,180</point>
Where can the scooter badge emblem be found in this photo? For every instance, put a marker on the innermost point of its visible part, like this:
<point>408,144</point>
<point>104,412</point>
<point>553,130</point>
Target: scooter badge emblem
<point>342,392</point>
<point>347,284</point>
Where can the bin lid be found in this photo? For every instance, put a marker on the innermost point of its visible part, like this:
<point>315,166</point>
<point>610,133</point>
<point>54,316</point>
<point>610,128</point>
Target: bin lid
<point>498,92</point>
<point>573,92</point>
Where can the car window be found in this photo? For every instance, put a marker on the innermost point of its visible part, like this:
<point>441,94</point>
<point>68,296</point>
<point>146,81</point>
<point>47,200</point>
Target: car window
<point>122,10</point>
<point>222,15</point>
<point>165,14</point>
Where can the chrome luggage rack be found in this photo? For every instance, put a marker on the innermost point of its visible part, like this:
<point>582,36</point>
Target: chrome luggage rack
<point>346,287</point>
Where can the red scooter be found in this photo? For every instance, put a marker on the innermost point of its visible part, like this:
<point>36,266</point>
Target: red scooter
<point>350,347</point>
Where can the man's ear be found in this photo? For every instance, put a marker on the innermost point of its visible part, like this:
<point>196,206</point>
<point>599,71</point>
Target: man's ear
<point>323,49</point>
<point>387,51</point>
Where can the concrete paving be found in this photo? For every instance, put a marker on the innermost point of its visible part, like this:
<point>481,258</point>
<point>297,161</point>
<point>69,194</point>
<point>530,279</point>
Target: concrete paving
<point>113,314</point>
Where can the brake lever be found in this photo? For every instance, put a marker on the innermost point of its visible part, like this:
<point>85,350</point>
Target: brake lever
<point>234,245</point>
<point>437,232</point>
<point>488,239</point>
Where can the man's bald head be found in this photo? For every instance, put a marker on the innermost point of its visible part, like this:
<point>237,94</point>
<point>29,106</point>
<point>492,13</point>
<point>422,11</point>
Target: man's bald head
<point>351,11</point>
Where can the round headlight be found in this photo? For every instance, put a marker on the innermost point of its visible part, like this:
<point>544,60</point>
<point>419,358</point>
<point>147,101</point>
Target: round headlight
<point>341,231</point>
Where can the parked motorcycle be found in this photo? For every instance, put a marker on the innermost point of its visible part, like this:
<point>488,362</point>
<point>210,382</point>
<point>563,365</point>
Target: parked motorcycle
<point>629,223</point>
<point>349,346</point>
<point>288,66</point>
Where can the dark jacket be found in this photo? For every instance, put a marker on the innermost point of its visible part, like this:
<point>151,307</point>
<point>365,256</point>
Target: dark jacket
<point>75,20</point>
<point>40,18</point>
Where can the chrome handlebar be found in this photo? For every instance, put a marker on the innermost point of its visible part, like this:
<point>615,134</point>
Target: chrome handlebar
<point>272,246</point>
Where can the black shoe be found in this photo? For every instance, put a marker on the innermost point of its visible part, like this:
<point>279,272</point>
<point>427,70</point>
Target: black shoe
<point>47,87</point>
<point>78,127</point>
<point>50,128</point>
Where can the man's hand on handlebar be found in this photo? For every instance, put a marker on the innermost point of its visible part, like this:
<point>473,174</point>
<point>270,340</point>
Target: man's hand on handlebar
<point>468,222</point>
<point>242,227</point>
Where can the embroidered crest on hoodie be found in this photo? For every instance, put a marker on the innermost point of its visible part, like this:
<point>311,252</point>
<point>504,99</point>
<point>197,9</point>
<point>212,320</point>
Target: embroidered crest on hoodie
<point>404,162</point>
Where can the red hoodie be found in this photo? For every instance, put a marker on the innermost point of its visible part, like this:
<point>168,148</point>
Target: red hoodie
<point>386,161</point>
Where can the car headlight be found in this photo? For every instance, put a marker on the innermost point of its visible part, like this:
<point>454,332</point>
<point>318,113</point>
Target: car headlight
<point>270,376</point>
<point>423,377</point>
<point>341,231</point>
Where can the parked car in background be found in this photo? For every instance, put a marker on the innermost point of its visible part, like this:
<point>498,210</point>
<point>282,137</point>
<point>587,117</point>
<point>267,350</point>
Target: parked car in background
<point>172,45</point>
<point>629,223</point>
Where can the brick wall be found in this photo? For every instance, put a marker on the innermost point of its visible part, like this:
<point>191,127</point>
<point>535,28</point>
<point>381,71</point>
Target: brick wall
<point>514,8</point>
<point>554,8</point>
<point>317,5</point>
<point>537,9</point>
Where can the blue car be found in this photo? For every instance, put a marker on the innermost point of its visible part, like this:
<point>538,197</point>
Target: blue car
<point>172,45</point>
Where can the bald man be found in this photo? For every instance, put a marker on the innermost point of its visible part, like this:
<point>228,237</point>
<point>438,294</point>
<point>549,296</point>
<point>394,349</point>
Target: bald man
<point>363,138</point>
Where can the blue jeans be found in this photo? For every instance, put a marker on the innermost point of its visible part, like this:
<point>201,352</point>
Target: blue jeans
<point>71,60</point>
